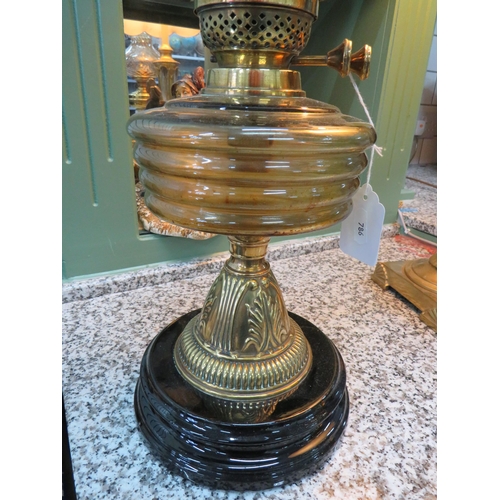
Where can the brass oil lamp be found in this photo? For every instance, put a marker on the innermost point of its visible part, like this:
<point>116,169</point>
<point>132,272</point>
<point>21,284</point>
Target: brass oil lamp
<point>140,57</point>
<point>242,392</point>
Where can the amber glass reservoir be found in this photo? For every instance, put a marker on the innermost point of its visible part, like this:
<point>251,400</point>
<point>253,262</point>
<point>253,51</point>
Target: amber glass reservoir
<point>234,163</point>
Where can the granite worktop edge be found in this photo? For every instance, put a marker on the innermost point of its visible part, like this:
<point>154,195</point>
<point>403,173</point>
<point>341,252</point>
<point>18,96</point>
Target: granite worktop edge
<point>151,276</point>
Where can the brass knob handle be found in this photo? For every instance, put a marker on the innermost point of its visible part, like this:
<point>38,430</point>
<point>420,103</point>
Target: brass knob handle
<point>341,59</point>
<point>360,62</point>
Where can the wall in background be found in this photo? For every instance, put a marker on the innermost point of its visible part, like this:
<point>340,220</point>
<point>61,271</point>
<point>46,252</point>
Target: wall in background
<point>425,146</point>
<point>163,31</point>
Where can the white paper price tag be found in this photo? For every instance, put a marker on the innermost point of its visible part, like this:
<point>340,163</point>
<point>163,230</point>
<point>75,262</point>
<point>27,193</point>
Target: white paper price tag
<point>360,232</point>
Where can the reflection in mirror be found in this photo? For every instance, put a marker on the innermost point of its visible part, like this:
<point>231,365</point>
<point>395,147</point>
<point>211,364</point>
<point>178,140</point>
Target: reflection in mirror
<point>165,53</point>
<point>163,62</point>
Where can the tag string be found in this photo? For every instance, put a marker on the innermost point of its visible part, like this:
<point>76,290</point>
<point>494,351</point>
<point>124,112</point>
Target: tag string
<point>376,148</point>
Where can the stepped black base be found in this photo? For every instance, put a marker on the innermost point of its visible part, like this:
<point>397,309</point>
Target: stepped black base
<point>300,435</point>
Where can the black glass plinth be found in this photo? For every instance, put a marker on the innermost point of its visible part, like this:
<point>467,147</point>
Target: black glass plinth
<point>300,434</point>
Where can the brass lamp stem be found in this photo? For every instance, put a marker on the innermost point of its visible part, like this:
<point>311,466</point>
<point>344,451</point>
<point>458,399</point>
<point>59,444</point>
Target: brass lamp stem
<point>243,353</point>
<point>248,254</point>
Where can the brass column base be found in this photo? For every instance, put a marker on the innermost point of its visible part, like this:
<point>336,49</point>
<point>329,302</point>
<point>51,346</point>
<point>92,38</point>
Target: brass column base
<point>416,281</point>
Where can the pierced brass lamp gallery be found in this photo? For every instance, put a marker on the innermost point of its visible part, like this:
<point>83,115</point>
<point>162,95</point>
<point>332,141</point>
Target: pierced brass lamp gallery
<point>242,392</point>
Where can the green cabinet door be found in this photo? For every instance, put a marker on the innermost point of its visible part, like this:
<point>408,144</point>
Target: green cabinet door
<point>99,219</point>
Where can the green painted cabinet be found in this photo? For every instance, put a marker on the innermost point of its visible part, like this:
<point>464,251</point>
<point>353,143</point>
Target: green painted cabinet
<point>99,219</point>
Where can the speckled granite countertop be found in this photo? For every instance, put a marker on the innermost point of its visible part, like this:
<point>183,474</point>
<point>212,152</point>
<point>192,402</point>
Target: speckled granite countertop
<point>421,212</point>
<point>389,448</point>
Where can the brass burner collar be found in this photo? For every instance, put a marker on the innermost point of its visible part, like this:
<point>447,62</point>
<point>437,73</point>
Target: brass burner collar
<point>250,81</point>
<point>311,6</point>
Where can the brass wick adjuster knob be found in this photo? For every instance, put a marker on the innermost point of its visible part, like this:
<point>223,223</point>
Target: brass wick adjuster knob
<point>360,62</point>
<point>341,59</point>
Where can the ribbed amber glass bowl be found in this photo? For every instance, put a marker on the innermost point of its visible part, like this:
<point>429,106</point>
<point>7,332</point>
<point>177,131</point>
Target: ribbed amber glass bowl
<point>249,165</point>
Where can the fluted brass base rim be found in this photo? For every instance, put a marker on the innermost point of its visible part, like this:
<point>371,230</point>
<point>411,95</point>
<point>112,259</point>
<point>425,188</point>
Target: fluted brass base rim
<point>218,375</point>
<point>238,388</point>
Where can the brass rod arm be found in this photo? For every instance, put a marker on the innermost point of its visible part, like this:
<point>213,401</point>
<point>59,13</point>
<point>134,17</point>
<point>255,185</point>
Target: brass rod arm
<point>341,59</point>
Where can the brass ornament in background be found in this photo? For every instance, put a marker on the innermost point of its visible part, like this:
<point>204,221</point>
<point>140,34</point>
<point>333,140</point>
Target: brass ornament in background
<point>251,157</point>
<point>167,69</point>
<point>416,281</point>
<point>155,95</point>
<point>140,97</point>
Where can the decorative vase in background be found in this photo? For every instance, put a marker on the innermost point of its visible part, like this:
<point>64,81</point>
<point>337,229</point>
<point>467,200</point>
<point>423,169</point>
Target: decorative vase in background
<point>175,42</point>
<point>189,45</point>
<point>199,47</point>
<point>186,45</point>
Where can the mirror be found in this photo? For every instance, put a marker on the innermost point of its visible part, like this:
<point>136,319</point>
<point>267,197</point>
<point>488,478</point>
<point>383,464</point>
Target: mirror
<point>163,51</point>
